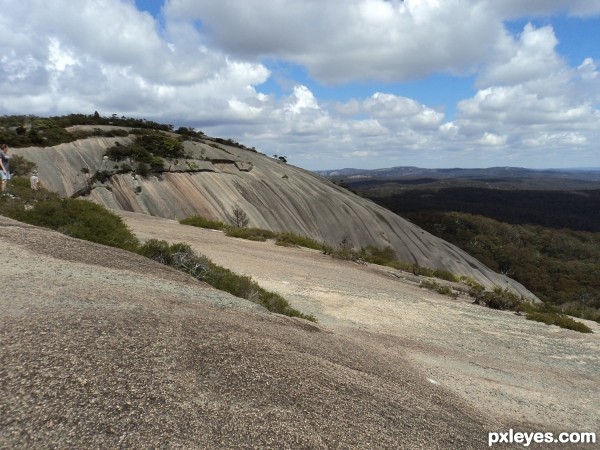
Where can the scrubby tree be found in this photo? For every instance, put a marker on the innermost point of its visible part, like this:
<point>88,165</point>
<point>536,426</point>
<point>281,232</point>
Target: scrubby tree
<point>240,218</point>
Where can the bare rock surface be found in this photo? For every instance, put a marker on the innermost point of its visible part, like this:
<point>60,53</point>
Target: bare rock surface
<point>101,348</point>
<point>512,370</point>
<point>275,196</point>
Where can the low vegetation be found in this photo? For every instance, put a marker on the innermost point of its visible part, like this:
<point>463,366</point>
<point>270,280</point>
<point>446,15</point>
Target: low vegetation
<point>77,218</point>
<point>203,222</point>
<point>148,145</point>
<point>31,130</point>
<point>561,320</point>
<point>505,300</point>
<point>240,230</point>
<point>182,257</point>
<point>251,234</point>
<point>288,239</point>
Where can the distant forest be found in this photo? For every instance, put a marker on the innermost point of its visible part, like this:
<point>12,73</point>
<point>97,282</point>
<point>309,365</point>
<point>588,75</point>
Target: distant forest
<point>575,210</point>
<point>547,240</point>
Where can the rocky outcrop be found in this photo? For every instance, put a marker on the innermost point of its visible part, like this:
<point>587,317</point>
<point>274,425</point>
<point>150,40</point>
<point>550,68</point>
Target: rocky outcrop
<point>275,196</point>
<point>102,348</point>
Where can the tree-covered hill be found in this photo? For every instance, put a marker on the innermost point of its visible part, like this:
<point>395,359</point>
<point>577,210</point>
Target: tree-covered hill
<point>572,209</point>
<point>561,267</point>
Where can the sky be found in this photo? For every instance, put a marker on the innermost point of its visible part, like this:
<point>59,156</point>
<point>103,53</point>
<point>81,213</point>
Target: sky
<point>327,83</point>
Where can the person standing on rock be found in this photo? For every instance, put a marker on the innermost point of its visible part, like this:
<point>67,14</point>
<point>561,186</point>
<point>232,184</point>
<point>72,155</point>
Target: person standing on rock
<point>4,166</point>
<point>34,181</point>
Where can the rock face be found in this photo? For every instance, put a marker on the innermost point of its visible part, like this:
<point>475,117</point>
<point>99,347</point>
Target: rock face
<point>275,196</point>
<point>102,348</point>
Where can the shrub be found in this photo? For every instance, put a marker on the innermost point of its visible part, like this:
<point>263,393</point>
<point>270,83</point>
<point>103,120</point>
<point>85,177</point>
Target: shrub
<point>287,239</point>
<point>160,144</point>
<point>143,169</point>
<point>583,312</point>
<point>182,257</point>
<point>345,250</point>
<point>446,290</point>
<point>327,249</point>
<point>102,176</point>
<point>252,234</point>
<point>561,320</point>
<point>21,166</point>
<point>445,275</point>
<point>382,256</point>
<point>203,222</point>
<point>426,284</point>
<point>77,218</point>
<point>157,163</point>
<point>546,313</point>
<point>240,218</point>
<point>497,299</point>
<point>440,289</point>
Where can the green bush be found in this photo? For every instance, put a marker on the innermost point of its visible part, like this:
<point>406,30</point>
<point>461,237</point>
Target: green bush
<point>252,234</point>
<point>287,239</point>
<point>561,320</point>
<point>157,163</point>
<point>506,300</point>
<point>143,169</point>
<point>497,299</point>
<point>440,289</point>
<point>182,257</point>
<point>77,218</point>
<point>445,275</point>
<point>203,222</point>
<point>160,144</point>
<point>21,166</point>
<point>382,256</point>
<point>327,249</point>
<point>446,290</point>
<point>581,311</point>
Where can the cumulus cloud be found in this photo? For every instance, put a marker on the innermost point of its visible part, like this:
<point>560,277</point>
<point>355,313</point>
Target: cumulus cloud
<point>527,59</point>
<point>58,58</point>
<point>203,65</point>
<point>342,40</point>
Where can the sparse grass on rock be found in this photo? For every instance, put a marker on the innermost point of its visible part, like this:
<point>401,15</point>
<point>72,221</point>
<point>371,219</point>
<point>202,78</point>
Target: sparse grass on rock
<point>287,239</point>
<point>546,313</point>
<point>182,257</point>
<point>203,222</point>
<point>251,234</point>
<point>561,320</point>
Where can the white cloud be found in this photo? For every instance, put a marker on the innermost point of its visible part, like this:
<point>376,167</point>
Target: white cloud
<point>530,58</point>
<point>493,140</point>
<point>556,139</point>
<point>341,40</point>
<point>204,67</point>
<point>362,154</point>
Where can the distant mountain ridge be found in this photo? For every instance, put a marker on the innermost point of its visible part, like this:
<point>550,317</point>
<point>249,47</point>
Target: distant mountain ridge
<point>585,174</point>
